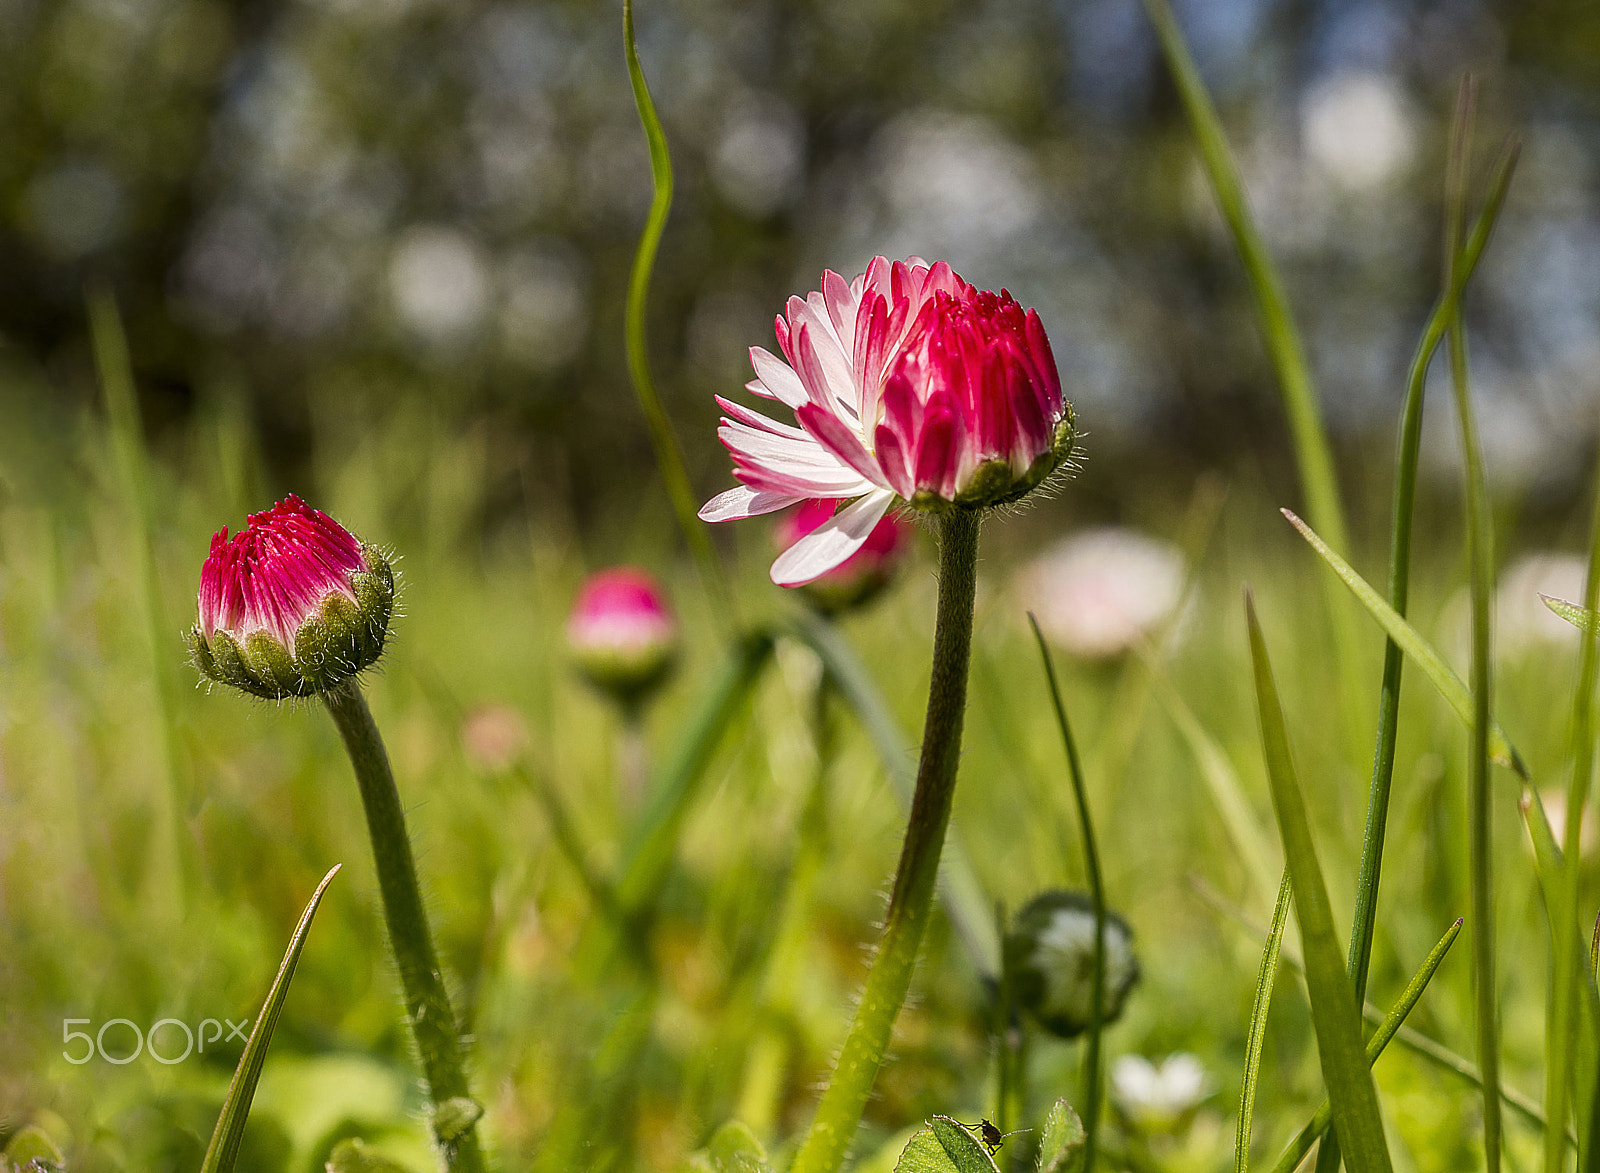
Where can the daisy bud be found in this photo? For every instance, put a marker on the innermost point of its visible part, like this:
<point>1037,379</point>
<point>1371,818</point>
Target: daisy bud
<point>291,605</point>
<point>622,633</point>
<point>1100,592</point>
<point>859,578</point>
<point>908,385</point>
<point>1049,954</point>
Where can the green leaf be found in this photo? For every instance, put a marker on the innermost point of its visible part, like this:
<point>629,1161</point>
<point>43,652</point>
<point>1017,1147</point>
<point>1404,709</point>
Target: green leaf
<point>353,1156</point>
<point>1266,978</point>
<point>1433,666</point>
<point>1334,1013</point>
<point>945,1146</point>
<point>735,1149</point>
<point>224,1147</point>
<point>1062,1149</point>
<point>32,1149</point>
<point>669,456</point>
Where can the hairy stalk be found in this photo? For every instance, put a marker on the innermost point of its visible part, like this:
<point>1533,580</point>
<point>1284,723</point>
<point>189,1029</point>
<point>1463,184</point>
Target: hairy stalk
<point>911,899</point>
<point>433,1025</point>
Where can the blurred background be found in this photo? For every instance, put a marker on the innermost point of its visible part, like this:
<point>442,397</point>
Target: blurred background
<point>374,252</point>
<point>320,212</point>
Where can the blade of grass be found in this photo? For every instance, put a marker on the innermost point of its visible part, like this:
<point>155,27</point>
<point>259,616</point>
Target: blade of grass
<point>1334,1011</point>
<point>1480,556</point>
<point>224,1147</point>
<point>1282,339</point>
<point>1402,517</point>
<point>1275,319</point>
<point>1433,666</point>
<point>1413,1040</point>
<point>1558,1029</point>
<point>965,905</point>
<point>1265,979</point>
<point>164,864</point>
<point>669,457</point>
<point>1221,779</point>
<point>1091,859</point>
<point>1371,868</point>
<point>1391,1024</point>
<point>1583,1041</point>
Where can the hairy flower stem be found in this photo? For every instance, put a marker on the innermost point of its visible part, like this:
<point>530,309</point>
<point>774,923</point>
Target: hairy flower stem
<point>911,900</point>
<point>433,1025</point>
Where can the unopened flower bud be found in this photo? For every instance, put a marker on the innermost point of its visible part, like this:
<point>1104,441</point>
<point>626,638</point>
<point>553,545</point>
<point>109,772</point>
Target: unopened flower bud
<point>1049,954</point>
<point>622,633</point>
<point>859,578</point>
<point>291,605</point>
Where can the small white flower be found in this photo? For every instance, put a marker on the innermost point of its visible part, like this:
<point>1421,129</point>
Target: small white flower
<point>1158,1098</point>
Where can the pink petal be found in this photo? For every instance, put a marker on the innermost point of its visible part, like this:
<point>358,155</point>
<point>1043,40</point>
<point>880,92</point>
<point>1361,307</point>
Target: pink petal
<point>832,542</point>
<point>835,435</point>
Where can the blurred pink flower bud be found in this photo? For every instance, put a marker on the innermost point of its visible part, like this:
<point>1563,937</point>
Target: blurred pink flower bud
<point>859,578</point>
<point>622,633</point>
<point>292,605</point>
<point>908,385</point>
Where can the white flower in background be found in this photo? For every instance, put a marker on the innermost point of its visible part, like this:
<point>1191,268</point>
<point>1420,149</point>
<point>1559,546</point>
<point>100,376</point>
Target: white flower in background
<point>1521,624</point>
<point>1554,800</point>
<point>1357,128</point>
<point>1100,591</point>
<point>1522,621</point>
<point>1158,1097</point>
<point>440,283</point>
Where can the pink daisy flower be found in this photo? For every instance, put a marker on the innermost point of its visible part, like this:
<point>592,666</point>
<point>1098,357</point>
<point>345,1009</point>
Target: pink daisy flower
<point>908,385</point>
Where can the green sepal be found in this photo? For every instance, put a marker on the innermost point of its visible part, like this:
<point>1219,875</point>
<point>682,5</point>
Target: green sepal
<point>340,639</point>
<point>32,1150</point>
<point>994,482</point>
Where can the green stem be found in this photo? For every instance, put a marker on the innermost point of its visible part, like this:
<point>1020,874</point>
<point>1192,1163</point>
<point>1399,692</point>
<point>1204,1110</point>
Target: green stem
<point>1480,556</point>
<point>433,1025</point>
<point>1097,896</point>
<point>912,897</point>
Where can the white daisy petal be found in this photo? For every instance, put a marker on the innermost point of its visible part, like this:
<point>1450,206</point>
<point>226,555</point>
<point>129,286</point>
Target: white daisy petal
<point>741,502</point>
<point>778,377</point>
<point>832,542</point>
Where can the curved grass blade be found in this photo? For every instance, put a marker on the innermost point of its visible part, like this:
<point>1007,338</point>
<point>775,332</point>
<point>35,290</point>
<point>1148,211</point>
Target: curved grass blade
<point>1387,1029</point>
<point>1334,1012</point>
<point>1401,522</point>
<point>224,1147</point>
<point>1480,556</point>
<point>1091,861</point>
<point>668,455</point>
<point>965,905</point>
<point>1265,980</point>
<point>1585,619</point>
<point>1501,751</point>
